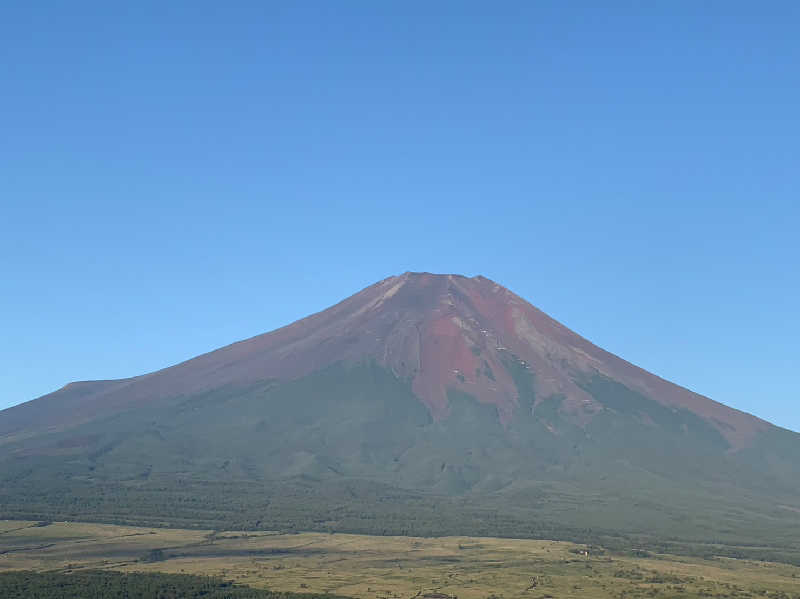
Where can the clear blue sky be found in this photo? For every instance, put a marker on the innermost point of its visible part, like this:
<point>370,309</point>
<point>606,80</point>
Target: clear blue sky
<point>176,176</point>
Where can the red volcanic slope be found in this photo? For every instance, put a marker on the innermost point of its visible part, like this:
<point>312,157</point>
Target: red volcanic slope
<point>436,330</point>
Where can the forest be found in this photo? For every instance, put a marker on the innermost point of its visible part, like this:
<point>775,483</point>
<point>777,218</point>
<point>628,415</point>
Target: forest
<point>98,584</point>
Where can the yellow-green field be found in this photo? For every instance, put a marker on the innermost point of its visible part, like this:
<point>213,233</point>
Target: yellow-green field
<point>369,567</point>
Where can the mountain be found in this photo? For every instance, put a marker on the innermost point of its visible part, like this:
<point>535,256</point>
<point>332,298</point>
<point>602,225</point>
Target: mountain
<point>423,398</point>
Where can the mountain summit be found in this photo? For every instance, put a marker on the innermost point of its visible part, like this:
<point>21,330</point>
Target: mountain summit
<point>438,332</point>
<point>424,383</point>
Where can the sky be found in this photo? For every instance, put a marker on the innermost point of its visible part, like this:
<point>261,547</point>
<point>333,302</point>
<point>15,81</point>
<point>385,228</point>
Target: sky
<point>178,176</point>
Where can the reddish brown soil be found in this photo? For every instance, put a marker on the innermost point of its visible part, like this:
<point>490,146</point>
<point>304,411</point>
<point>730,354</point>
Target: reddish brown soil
<point>439,331</point>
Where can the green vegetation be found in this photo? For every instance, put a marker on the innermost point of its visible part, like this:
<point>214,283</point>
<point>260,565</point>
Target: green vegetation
<point>370,508</point>
<point>154,555</point>
<point>96,584</point>
<point>679,422</point>
<point>351,450</point>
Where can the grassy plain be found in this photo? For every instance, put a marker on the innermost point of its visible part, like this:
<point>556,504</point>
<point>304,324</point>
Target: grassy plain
<point>376,567</point>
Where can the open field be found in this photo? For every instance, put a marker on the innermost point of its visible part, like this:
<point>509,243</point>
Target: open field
<point>374,567</point>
